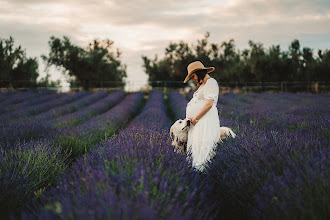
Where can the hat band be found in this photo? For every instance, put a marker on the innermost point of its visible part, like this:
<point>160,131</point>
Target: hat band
<point>205,68</point>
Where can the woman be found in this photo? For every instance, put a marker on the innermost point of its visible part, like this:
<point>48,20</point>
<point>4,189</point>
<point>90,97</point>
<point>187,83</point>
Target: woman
<point>203,114</point>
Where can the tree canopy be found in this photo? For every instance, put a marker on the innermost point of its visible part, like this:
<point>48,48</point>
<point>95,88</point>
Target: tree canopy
<point>16,70</point>
<point>253,64</point>
<point>98,62</point>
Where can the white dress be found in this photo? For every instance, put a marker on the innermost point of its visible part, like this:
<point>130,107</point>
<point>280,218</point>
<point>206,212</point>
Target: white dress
<point>203,137</point>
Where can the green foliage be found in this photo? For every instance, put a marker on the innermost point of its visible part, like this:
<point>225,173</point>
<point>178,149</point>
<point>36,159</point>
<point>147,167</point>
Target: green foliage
<point>98,62</point>
<point>75,144</point>
<point>16,70</point>
<point>250,65</point>
<point>323,65</point>
<point>79,144</point>
<point>28,172</point>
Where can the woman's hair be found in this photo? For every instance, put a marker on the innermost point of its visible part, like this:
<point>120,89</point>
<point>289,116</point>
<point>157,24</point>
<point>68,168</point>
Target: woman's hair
<point>200,74</point>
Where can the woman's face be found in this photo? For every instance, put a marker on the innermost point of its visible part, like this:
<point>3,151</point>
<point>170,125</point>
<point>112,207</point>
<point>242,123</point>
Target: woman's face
<point>194,77</point>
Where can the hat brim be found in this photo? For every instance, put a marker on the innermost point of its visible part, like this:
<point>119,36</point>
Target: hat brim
<point>209,70</point>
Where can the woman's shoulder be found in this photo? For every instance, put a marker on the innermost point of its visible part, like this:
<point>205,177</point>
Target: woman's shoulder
<point>211,81</point>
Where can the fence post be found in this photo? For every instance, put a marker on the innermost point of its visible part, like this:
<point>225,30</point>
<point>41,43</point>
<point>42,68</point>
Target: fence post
<point>165,89</point>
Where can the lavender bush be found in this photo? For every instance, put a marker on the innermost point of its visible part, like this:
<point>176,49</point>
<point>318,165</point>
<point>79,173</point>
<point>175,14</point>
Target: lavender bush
<point>81,138</point>
<point>244,169</point>
<point>275,168</point>
<point>19,98</point>
<point>86,113</point>
<point>43,107</point>
<point>32,100</point>
<point>85,99</point>
<point>30,110</point>
<point>134,175</point>
<point>25,170</point>
<point>277,165</point>
<point>5,95</point>
<point>177,105</point>
<point>38,126</point>
<point>19,159</point>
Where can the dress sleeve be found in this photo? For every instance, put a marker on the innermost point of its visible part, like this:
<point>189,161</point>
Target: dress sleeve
<point>211,90</point>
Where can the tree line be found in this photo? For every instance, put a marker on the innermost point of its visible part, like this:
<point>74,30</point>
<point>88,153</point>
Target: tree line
<point>255,64</point>
<point>100,62</point>
<point>15,68</point>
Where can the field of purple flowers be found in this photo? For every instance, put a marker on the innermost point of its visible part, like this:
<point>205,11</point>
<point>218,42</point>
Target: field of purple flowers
<point>109,156</point>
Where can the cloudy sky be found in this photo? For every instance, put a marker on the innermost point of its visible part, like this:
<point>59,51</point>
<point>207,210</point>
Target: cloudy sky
<point>142,27</point>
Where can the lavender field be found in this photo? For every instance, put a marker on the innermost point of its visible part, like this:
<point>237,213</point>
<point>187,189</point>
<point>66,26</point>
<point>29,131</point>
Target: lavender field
<point>109,156</point>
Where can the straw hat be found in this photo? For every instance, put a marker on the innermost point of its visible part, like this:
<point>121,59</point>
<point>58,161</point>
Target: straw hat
<point>197,65</point>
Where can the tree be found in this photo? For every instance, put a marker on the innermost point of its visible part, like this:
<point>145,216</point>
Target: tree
<point>246,75</point>
<point>228,66</point>
<point>308,64</point>
<point>98,62</point>
<point>258,62</point>
<point>253,64</point>
<point>322,68</point>
<point>173,67</point>
<point>294,60</point>
<point>16,70</point>
<point>275,65</point>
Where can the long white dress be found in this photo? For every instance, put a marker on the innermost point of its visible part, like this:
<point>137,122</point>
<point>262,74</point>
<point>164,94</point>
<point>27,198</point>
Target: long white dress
<point>203,137</point>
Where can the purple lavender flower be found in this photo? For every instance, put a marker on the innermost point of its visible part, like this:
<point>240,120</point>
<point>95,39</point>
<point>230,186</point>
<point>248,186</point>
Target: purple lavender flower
<point>136,174</point>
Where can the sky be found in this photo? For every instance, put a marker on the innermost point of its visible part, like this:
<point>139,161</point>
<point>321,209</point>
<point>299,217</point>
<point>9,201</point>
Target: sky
<point>142,27</point>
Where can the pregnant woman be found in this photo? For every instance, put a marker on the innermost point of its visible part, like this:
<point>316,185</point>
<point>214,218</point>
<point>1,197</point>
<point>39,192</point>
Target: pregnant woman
<point>203,114</point>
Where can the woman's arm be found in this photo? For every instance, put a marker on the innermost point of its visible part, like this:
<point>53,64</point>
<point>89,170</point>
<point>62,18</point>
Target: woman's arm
<point>207,106</point>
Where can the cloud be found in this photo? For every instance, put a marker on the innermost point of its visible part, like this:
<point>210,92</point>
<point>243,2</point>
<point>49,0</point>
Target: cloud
<point>142,27</point>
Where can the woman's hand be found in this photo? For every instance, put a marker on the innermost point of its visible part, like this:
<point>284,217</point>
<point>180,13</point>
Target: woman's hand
<point>193,120</point>
<point>207,106</point>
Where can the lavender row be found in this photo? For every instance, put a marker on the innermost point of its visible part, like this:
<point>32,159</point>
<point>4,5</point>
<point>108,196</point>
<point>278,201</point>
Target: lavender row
<point>135,175</point>
<point>27,163</point>
<point>154,115</point>
<point>38,127</point>
<point>264,173</point>
<point>17,97</point>
<point>26,130</point>
<point>81,138</point>
<point>255,105</point>
<point>6,95</point>
<point>38,98</point>
<point>48,106</point>
<point>177,99</point>
<point>85,99</point>
<point>39,108</point>
<point>26,170</point>
<point>85,114</point>
<point>281,111</point>
<point>285,112</point>
<point>269,169</point>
